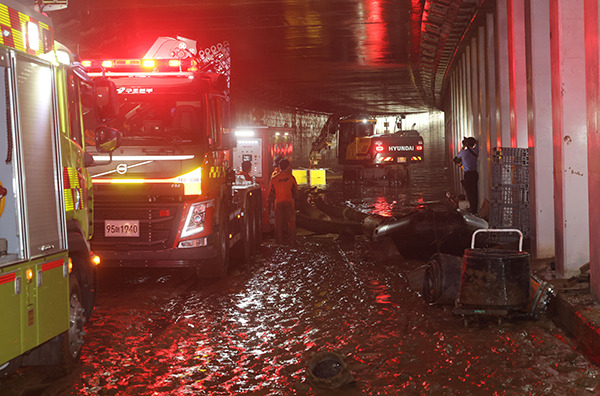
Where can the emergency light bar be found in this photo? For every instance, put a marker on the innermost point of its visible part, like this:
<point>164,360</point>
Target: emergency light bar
<point>140,65</point>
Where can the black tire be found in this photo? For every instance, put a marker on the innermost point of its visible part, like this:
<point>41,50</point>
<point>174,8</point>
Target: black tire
<point>246,242</point>
<point>221,264</point>
<point>87,281</point>
<point>72,340</point>
<point>257,223</point>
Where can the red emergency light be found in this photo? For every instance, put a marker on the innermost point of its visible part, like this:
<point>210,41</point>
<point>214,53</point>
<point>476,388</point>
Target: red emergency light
<point>140,65</point>
<point>379,147</point>
<point>419,148</point>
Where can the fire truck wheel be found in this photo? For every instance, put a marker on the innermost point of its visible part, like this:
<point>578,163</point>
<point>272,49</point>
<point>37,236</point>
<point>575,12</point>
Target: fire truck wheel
<point>72,339</point>
<point>245,243</point>
<point>222,259</point>
<point>257,224</point>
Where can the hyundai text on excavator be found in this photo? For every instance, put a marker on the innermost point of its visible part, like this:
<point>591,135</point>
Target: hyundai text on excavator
<point>47,270</point>
<point>365,155</point>
<point>170,197</point>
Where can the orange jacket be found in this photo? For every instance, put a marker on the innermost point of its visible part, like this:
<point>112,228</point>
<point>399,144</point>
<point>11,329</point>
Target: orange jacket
<point>283,187</point>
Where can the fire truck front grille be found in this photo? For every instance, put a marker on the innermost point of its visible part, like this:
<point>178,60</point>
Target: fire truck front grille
<point>158,225</point>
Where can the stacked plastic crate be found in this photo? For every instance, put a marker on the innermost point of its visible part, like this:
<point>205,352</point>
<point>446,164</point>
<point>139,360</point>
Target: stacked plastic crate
<point>509,199</point>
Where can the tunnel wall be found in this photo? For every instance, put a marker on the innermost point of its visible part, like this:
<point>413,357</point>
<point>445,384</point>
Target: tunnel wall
<point>526,75</point>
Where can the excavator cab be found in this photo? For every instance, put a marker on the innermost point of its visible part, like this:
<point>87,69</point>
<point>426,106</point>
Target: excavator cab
<point>354,138</point>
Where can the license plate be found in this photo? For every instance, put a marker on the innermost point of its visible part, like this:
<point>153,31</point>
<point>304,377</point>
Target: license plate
<point>121,228</point>
<point>401,159</point>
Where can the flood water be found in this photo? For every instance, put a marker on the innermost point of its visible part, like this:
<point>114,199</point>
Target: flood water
<point>164,332</point>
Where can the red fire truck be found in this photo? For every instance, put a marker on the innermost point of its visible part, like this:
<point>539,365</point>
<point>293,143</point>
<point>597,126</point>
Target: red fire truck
<point>170,198</point>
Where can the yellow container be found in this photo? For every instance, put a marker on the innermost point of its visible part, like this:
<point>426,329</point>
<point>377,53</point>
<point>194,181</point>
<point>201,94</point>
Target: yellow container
<point>317,177</point>
<point>301,175</point>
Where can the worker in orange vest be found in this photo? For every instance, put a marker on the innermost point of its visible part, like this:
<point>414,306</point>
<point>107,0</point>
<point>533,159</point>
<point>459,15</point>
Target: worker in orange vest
<point>283,190</point>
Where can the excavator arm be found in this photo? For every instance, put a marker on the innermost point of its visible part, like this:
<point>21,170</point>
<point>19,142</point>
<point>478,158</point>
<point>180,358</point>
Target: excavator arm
<point>325,139</point>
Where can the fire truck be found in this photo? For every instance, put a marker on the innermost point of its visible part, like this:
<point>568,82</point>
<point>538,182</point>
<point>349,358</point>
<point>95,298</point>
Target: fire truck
<point>170,198</point>
<point>47,274</point>
<point>363,154</point>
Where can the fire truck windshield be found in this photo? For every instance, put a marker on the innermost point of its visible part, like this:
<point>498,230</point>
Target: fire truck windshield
<point>157,121</point>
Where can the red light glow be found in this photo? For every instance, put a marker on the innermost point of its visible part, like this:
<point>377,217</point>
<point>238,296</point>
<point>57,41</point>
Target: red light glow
<point>149,63</point>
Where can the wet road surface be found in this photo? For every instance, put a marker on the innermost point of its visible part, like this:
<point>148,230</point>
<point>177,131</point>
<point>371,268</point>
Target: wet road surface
<point>163,332</point>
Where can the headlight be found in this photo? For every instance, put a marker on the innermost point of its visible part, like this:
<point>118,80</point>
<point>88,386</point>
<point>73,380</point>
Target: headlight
<point>194,222</point>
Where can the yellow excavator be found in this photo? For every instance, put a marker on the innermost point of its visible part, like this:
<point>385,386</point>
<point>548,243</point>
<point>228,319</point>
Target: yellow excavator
<point>365,155</point>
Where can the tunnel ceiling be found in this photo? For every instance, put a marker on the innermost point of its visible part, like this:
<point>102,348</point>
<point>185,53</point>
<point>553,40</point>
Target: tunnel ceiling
<point>375,56</point>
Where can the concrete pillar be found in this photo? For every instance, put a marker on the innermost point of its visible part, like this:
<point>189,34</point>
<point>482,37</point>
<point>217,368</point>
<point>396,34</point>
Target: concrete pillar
<point>475,89</point>
<point>468,92</point>
<point>539,105</point>
<point>491,130</point>
<point>483,133</point>
<point>517,73</point>
<point>592,73</point>
<point>502,74</point>
<point>569,129</point>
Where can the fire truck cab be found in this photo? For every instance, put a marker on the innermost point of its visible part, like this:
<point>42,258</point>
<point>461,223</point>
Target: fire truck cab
<point>168,197</point>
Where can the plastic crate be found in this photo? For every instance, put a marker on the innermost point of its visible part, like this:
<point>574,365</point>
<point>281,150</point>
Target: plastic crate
<point>510,166</point>
<point>511,194</point>
<point>510,155</point>
<point>504,215</point>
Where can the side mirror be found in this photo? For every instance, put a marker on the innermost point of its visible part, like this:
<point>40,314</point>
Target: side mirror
<point>106,101</point>
<point>107,139</point>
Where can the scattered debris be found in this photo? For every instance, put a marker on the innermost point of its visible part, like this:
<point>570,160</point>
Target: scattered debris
<point>328,369</point>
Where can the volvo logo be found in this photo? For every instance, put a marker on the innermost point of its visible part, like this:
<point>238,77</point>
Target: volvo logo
<point>122,169</point>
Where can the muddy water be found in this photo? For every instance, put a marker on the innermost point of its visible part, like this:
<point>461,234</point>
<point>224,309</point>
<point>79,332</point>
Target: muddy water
<point>163,332</point>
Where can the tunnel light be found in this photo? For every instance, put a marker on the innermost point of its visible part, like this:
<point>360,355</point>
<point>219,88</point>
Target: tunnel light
<point>245,133</point>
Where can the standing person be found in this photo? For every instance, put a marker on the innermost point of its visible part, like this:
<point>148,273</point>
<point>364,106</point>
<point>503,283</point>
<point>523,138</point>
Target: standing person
<point>245,172</point>
<point>467,157</point>
<point>276,168</point>
<point>283,190</point>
